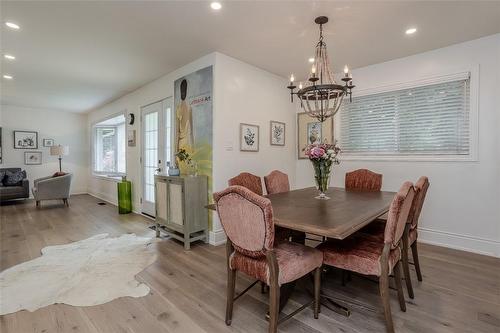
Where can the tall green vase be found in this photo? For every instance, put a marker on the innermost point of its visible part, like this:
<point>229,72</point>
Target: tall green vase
<point>124,196</point>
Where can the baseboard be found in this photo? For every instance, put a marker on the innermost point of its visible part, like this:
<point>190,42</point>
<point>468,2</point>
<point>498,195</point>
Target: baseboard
<point>217,237</point>
<point>456,241</point>
<point>103,197</point>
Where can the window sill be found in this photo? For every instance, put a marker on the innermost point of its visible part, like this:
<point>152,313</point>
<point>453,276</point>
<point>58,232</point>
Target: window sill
<point>115,179</point>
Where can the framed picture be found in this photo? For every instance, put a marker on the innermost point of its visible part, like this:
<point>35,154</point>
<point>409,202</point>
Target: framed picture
<point>249,137</point>
<point>277,133</point>
<point>33,157</point>
<point>48,142</point>
<point>25,140</point>
<point>311,131</point>
<point>131,138</point>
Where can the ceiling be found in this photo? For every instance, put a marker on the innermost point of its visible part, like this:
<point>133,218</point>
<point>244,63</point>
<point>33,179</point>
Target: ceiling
<point>76,56</point>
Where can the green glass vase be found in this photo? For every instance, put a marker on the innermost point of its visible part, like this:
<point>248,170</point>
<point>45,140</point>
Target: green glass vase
<point>322,170</point>
<point>124,197</point>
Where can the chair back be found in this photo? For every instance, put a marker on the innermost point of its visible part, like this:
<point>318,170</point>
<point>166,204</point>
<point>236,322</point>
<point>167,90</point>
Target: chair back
<point>421,187</point>
<point>251,182</point>
<point>363,180</point>
<point>276,182</point>
<point>398,214</point>
<point>247,219</point>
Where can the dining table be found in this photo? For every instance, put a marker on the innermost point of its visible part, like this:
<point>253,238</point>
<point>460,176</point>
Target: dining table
<point>344,213</point>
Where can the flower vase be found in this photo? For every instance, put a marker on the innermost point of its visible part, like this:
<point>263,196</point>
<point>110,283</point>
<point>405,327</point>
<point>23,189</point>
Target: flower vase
<point>322,170</point>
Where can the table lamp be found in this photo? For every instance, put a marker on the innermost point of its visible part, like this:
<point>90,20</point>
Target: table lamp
<point>59,151</point>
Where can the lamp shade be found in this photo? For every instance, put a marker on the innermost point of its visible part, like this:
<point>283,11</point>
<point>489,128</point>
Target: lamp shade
<point>59,150</point>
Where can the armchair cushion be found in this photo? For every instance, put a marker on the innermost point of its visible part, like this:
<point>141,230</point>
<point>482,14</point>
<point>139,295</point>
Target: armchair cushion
<point>294,261</point>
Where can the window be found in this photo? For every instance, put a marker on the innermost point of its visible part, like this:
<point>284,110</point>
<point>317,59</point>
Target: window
<point>109,146</point>
<point>428,120</point>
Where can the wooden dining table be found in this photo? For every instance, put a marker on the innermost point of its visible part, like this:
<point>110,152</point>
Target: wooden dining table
<point>338,217</point>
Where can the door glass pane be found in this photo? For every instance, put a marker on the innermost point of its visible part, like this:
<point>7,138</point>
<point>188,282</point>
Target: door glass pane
<point>150,154</point>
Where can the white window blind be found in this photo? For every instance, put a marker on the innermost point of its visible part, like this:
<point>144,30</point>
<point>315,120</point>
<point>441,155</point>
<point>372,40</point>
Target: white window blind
<point>431,119</point>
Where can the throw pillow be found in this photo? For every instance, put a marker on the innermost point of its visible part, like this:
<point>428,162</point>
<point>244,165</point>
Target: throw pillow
<point>14,178</point>
<point>58,174</point>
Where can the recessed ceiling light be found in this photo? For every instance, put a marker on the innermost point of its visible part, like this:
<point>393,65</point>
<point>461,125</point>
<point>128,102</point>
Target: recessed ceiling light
<point>12,25</point>
<point>411,31</point>
<point>8,77</point>
<point>311,60</point>
<point>9,57</point>
<point>215,5</point>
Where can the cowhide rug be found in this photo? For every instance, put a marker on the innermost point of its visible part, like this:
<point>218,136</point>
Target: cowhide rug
<point>84,273</point>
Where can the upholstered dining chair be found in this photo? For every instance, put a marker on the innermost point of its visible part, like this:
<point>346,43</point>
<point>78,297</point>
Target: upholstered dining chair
<point>410,236</point>
<point>251,182</point>
<point>276,182</point>
<point>369,255</point>
<point>363,180</point>
<point>247,219</point>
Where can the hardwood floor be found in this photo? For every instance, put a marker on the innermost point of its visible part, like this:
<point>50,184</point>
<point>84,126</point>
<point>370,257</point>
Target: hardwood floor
<point>460,291</point>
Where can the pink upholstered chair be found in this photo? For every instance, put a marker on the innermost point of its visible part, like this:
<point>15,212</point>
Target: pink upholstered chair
<point>247,219</point>
<point>276,182</point>
<point>421,187</point>
<point>363,180</point>
<point>251,182</point>
<point>370,255</point>
<point>376,229</point>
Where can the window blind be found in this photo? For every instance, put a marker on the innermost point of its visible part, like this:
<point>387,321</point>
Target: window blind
<point>423,120</point>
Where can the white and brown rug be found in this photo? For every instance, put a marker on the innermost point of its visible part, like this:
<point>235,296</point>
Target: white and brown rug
<point>84,273</point>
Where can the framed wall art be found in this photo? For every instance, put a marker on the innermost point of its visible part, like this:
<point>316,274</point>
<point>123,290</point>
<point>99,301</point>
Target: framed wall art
<point>25,140</point>
<point>311,131</point>
<point>48,142</point>
<point>33,157</point>
<point>249,137</point>
<point>277,133</point>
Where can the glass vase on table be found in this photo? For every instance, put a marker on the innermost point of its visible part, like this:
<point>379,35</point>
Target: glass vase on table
<point>322,156</point>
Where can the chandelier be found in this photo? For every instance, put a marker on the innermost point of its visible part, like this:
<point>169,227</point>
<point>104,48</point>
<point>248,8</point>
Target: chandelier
<point>321,97</point>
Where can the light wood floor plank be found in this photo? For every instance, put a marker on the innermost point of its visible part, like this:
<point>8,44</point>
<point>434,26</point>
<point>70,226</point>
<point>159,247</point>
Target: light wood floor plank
<point>460,291</point>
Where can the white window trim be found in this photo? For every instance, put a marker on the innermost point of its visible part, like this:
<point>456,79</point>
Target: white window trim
<point>106,175</point>
<point>472,72</point>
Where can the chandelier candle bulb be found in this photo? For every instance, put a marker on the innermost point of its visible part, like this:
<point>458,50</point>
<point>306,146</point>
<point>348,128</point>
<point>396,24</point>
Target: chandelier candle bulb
<point>292,78</point>
<point>300,85</point>
<point>346,71</point>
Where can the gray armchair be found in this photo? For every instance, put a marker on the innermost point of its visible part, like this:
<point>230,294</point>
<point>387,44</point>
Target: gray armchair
<point>52,188</point>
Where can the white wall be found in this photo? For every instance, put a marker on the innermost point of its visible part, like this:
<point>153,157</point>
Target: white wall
<point>132,103</point>
<point>242,93</point>
<point>462,209</point>
<point>65,128</point>
<point>246,94</point>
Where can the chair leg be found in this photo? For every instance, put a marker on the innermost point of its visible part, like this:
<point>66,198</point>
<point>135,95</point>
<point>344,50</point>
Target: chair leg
<point>399,286</point>
<point>231,282</point>
<point>263,288</point>
<point>414,251</point>
<point>384,294</point>
<point>274,304</point>
<point>38,203</point>
<point>317,291</point>
<point>406,271</point>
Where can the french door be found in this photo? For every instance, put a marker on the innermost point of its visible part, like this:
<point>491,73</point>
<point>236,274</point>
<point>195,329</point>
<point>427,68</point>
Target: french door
<point>156,148</point>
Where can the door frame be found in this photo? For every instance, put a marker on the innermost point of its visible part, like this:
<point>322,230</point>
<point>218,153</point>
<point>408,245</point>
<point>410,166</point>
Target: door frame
<point>161,142</point>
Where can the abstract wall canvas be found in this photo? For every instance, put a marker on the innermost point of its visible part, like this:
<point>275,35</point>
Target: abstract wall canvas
<point>249,137</point>
<point>193,95</point>
<point>277,133</point>
<point>25,140</point>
